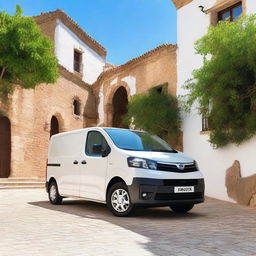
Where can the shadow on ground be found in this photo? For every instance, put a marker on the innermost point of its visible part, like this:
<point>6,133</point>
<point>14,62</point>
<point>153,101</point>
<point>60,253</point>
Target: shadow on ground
<point>156,224</point>
<point>209,228</point>
<point>93,210</point>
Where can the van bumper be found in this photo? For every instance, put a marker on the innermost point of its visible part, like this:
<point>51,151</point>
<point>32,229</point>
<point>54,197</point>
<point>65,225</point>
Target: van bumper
<point>160,192</point>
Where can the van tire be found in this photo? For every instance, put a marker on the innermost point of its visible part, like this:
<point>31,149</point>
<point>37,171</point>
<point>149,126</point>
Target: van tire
<point>53,193</point>
<point>181,208</point>
<point>123,203</point>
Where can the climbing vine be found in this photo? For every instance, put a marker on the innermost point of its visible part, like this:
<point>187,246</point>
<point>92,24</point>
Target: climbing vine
<point>224,87</point>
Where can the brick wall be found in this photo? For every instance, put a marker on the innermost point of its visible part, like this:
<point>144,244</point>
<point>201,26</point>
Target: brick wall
<point>30,112</point>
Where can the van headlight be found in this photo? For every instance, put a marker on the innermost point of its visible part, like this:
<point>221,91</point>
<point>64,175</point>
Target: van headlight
<point>137,162</point>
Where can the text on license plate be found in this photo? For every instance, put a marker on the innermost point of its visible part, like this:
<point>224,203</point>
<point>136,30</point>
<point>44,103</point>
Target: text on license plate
<point>184,189</point>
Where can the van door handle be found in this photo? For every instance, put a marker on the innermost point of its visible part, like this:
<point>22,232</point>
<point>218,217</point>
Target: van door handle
<point>75,162</point>
<point>83,162</point>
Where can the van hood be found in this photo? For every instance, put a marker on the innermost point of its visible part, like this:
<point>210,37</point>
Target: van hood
<point>161,156</point>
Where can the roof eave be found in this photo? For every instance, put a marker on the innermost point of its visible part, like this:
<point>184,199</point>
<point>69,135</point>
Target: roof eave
<point>74,27</point>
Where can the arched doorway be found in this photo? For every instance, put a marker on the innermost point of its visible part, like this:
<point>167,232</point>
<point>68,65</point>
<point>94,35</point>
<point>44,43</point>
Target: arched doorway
<point>120,101</point>
<point>54,126</point>
<point>5,147</point>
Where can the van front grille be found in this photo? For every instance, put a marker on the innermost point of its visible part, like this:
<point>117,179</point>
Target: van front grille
<point>174,168</point>
<point>178,196</point>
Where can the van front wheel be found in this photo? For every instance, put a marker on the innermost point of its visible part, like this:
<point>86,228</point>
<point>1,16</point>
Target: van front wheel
<point>53,193</point>
<point>119,201</point>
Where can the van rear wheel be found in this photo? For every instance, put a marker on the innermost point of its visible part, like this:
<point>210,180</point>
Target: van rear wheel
<point>181,208</point>
<point>119,201</point>
<point>54,196</point>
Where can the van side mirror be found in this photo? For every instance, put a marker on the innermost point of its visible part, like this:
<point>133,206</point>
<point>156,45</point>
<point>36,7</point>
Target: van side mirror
<point>97,149</point>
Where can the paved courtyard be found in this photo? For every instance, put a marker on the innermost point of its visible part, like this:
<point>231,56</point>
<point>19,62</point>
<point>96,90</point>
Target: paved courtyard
<point>29,225</point>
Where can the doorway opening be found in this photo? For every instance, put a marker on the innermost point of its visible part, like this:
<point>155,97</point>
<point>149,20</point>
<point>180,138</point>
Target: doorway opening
<point>54,126</point>
<point>5,147</point>
<point>120,101</point>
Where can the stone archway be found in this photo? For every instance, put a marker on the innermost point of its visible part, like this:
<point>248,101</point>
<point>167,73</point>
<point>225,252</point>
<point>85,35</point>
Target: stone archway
<point>119,103</point>
<point>55,128</point>
<point>5,147</point>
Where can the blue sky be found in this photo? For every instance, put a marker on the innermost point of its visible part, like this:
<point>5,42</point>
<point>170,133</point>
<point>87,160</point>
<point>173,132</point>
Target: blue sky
<point>127,28</point>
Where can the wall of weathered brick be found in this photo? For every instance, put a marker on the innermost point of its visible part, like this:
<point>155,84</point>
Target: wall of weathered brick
<point>152,69</point>
<point>30,113</point>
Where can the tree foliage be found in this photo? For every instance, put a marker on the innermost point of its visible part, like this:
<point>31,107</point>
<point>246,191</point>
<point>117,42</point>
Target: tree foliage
<point>226,82</point>
<point>26,56</point>
<point>155,112</point>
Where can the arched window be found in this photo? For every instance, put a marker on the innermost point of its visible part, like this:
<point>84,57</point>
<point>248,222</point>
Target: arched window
<point>76,107</point>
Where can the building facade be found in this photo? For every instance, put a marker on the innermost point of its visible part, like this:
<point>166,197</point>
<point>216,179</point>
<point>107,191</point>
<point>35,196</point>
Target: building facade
<point>89,92</point>
<point>194,17</point>
<point>115,85</point>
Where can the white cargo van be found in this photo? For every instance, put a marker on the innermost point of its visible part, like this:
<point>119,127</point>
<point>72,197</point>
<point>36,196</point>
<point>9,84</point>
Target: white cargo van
<point>122,168</point>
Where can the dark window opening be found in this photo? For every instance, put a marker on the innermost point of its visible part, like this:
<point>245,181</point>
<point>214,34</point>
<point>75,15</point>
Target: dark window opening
<point>77,61</point>
<point>205,123</point>
<point>161,88</point>
<point>76,105</point>
<point>231,13</point>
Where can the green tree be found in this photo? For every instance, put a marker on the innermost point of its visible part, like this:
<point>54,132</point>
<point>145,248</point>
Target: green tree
<point>26,56</point>
<point>155,112</point>
<point>225,85</point>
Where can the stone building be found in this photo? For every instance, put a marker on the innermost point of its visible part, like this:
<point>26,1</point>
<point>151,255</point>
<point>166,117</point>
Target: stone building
<point>193,19</point>
<point>155,68</point>
<point>89,92</point>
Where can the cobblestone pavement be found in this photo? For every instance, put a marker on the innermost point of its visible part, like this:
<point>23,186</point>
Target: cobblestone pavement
<point>29,225</point>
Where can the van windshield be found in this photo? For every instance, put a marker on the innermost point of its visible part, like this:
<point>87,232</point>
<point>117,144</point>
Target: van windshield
<point>138,141</point>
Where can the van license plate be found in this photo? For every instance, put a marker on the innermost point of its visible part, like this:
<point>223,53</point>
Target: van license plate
<point>184,189</point>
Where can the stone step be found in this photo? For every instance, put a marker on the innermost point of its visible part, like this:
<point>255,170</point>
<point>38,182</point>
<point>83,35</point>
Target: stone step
<point>21,183</point>
<point>21,179</point>
<point>22,187</point>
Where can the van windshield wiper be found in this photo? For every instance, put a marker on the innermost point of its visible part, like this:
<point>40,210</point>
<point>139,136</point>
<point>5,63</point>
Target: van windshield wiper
<point>163,150</point>
<point>151,150</point>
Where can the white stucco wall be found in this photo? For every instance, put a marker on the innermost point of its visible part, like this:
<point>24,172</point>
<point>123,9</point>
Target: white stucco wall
<point>65,43</point>
<point>251,6</point>
<point>192,24</point>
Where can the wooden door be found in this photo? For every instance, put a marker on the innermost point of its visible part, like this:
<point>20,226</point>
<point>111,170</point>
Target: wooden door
<point>5,147</point>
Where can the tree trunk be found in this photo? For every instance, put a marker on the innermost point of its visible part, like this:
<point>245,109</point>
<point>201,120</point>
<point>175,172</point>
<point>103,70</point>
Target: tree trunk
<point>2,72</point>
